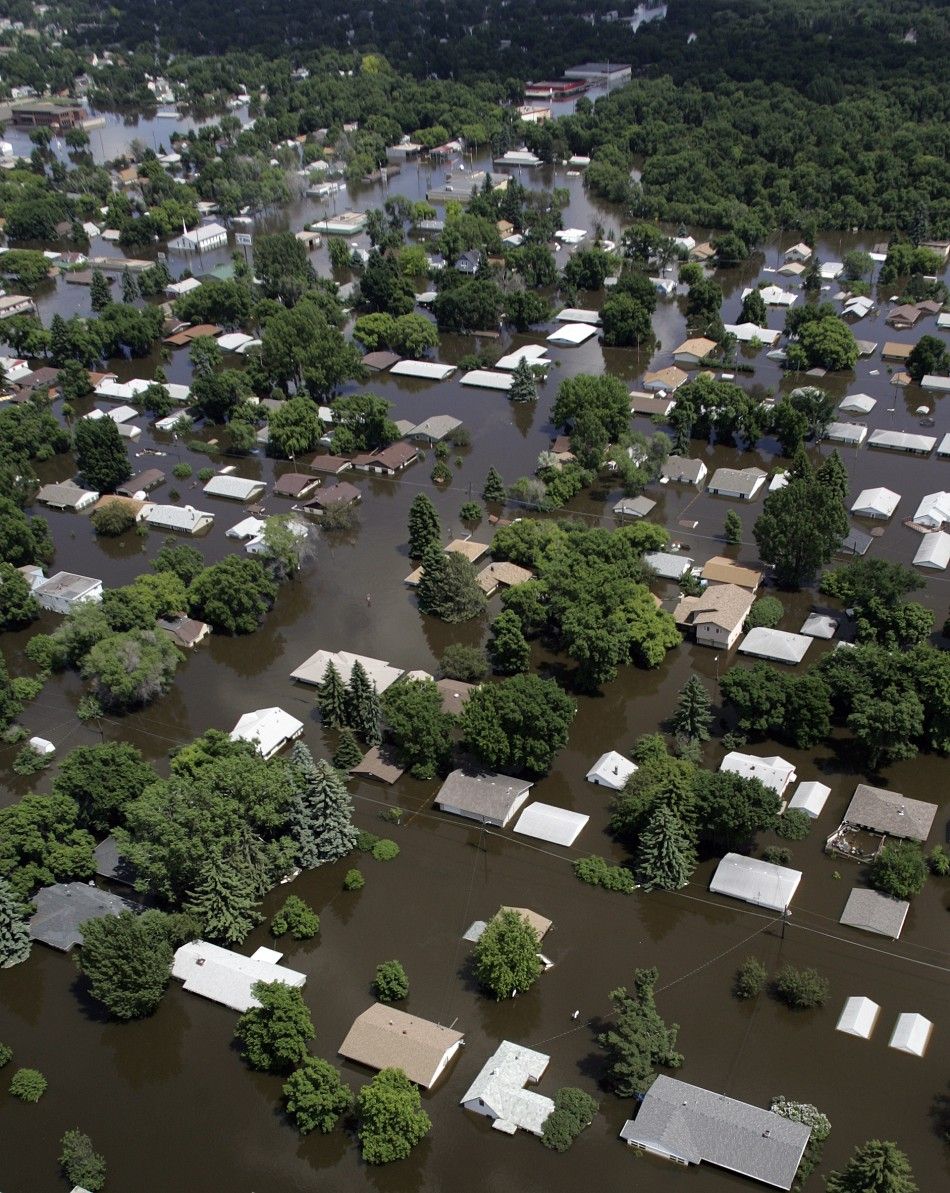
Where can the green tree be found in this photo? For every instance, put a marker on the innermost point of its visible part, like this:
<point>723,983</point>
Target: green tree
<point>626,322</point>
<point>100,454</point>
<point>733,809</point>
<point>733,528</point>
<point>112,519</point>
<point>99,294</point>
<point>282,263</point>
<point>874,1167</point>
<point>103,780</point>
<point>494,487</point>
<point>573,1112</point>
<point>183,560</point>
<point>15,940</point>
<point>751,977</point>
<point>18,606</point>
<point>224,900</point>
<point>753,309</point>
<point>274,1035</point>
<point>348,752</point>
<point>929,356</point>
<point>519,722</point>
<point>637,1038</point>
<point>28,1085</point>
<point>886,723</point>
<point>693,716</point>
<point>422,731</point>
<point>899,870</point>
<point>505,959</point>
<point>126,960</point>
<point>362,706</point>
<point>604,398</point>
<point>390,982</point>
<point>232,595</point>
<point>448,588</point>
<point>508,648</point>
<point>766,611</point>
<point>413,336</point>
<point>131,669</point>
<point>801,989</point>
<point>22,539</point>
<point>424,527</point>
<point>801,526</point>
<point>331,699</point>
<point>666,854</point>
<point>296,917</point>
<point>321,812</point>
<point>829,342</point>
<point>315,1095</point>
<point>390,1117</point>
<point>524,387</point>
<point>130,290</point>
<point>353,880</point>
<point>294,428</point>
<point>81,1163</point>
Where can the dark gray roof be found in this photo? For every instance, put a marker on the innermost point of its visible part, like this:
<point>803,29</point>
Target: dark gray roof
<point>889,812</point>
<point>695,1124</point>
<point>63,908</point>
<point>110,865</point>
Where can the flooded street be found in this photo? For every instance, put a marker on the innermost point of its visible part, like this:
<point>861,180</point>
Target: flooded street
<point>169,1102</point>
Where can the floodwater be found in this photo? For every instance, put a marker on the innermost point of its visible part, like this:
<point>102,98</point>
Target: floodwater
<point>168,1100</point>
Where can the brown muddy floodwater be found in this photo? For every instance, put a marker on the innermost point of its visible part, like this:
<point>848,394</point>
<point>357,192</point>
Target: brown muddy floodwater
<point>168,1100</point>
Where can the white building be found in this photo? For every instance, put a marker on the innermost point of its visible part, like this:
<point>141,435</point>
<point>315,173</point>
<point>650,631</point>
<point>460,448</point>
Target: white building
<point>753,881</point>
<point>227,977</point>
<point>200,240</point>
<point>63,591</point>
<point>911,1034</point>
<point>177,517</point>
<point>809,798</point>
<point>776,773</point>
<point>499,1093</point>
<point>934,551</point>
<point>236,488</point>
<point>859,1017</point>
<point>778,645</point>
<point>611,770</point>
<point>267,729</point>
<point>875,503</point>
<point>933,511</point>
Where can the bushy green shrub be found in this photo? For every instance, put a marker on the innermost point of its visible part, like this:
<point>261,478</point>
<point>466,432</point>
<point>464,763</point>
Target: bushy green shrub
<point>385,850</point>
<point>751,977</point>
<point>596,871</point>
<point>353,880</point>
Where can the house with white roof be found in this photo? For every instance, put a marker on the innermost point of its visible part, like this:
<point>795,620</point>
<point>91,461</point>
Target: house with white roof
<point>776,772</point>
<point>499,1093</point>
<point>809,798</point>
<point>267,729</point>
<point>933,511</point>
<point>934,551</point>
<point>611,770</point>
<point>852,434</point>
<point>876,503</point>
<point>745,333</point>
<point>184,518</point>
<point>774,296</point>
<point>798,252</point>
<point>762,884</point>
<point>199,240</point>
<point>741,483</point>
<point>778,645</point>
<point>313,669</point>
<point>667,565</point>
<point>903,441</point>
<point>227,977</point>
<point>858,404</point>
<point>236,488</point>
<point>62,592</point>
<point>572,334</point>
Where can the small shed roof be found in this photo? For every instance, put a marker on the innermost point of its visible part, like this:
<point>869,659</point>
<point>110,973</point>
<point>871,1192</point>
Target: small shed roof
<point>428,370</point>
<point>546,822</point>
<point>385,1038</point>
<point>874,912</point>
<point>572,334</point>
<point>911,1034</point>
<point>810,798</point>
<point>859,1017</point>
<point>634,507</point>
<point>819,625</point>
<point>611,770</point>
<point>778,645</point>
<point>378,763</point>
<point>754,881</point>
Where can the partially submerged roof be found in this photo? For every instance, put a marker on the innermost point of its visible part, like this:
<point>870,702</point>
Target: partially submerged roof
<point>634,507</point>
<point>723,605</point>
<point>819,625</point>
<point>486,379</point>
<point>667,565</point>
<point>385,1038</point>
<point>875,503</point>
<point>226,977</point>
<point>809,798</point>
<point>502,574</point>
<point>611,770</point>
<point>483,795</point>
<point>874,912</point>
<point>843,432</point>
<point>859,1017</point>
<point>775,772</point>
<point>499,1089</point>
<point>911,1034</point>
<point>889,812</point>
<point>237,488</point>
<point>572,334</point>
<point>778,645</point>
<point>754,881</point>
<point>313,669</point>
<point>471,549</point>
<point>721,570</point>
<point>110,864</point>
<point>695,1125</point>
<point>454,694</point>
<point>934,551</point>
<point>267,729</point>
<point>545,822</point>
<point>745,482</point>
<point>903,441</point>
<point>63,908</point>
<point>428,370</point>
<point>378,763</point>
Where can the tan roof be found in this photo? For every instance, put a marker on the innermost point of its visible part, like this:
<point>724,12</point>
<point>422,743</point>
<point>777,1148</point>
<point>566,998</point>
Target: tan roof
<point>697,347</point>
<point>720,570</point>
<point>130,503</point>
<point>468,547</point>
<point>384,1038</point>
<point>724,605</point>
<point>539,923</point>
<point>378,763</point>
<point>895,350</point>
<point>671,377</point>
<point>454,694</point>
<point>502,573</point>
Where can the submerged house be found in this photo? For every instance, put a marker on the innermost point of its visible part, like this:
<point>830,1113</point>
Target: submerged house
<point>499,1093</point>
<point>484,796</point>
<point>384,1038</point>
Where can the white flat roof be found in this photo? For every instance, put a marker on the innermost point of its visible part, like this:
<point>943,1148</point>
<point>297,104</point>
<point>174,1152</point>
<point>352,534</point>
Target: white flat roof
<point>429,370</point>
<point>859,1017</point>
<point>911,1034</point>
<point>572,334</point>
<point>902,441</point>
<point>578,315</point>
<point>534,354</point>
<point>485,379</point>
<point>227,977</point>
<point>548,823</point>
<point>779,645</point>
<point>755,881</point>
<point>809,798</point>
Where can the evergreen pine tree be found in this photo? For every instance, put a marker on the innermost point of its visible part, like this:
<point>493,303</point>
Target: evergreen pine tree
<point>130,289</point>
<point>494,487</point>
<point>875,1167</point>
<point>331,698</point>
<point>666,856</point>
<point>59,342</point>
<point>424,527</point>
<point>733,528</point>
<point>362,706</point>
<point>507,646</point>
<point>99,290</point>
<point>693,715</point>
<point>321,814</point>
<point>224,901</point>
<point>834,476</point>
<point>435,565</point>
<point>348,753</point>
<point>523,385</point>
<point>14,933</point>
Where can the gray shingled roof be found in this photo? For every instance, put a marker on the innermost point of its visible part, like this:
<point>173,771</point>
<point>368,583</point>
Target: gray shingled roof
<point>696,1124</point>
<point>61,910</point>
<point>482,794</point>
<point>874,912</point>
<point>890,812</point>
